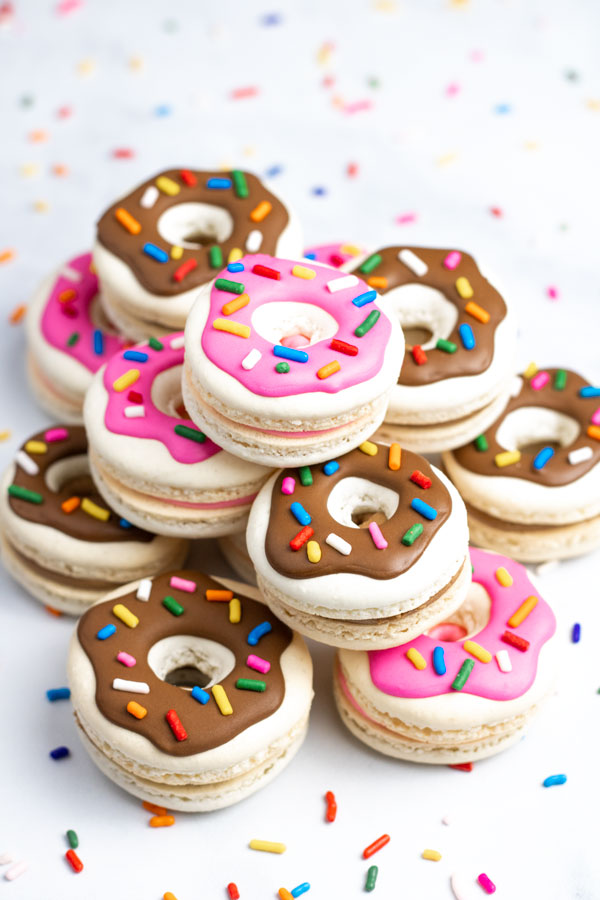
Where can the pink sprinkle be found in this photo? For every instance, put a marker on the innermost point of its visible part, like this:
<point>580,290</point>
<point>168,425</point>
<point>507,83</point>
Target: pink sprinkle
<point>453,259</point>
<point>68,6</point>
<point>488,885</point>
<point>182,584</point>
<point>126,658</point>
<point>539,381</point>
<point>452,90</point>
<point>243,92</point>
<point>378,539</point>
<point>496,211</point>
<point>406,218</point>
<point>552,292</point>
<point>15,871</point>
<point>357,106</point>
<point>56,434</point>
<point>123,153</point>
<point>596,417</point>
<point>352,170</point>
<point>64,112</point>
<point>477,56</point>
<point>258,663</point>
<point>328,81</point>
<point>288,485</point>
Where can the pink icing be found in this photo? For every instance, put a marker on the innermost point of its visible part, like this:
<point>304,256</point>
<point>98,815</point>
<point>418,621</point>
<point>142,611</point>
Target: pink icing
<point>395,675</point>
<point>57,327</point>
<point>227,351</point>
<point>155,424</point>
<point>331,254</point>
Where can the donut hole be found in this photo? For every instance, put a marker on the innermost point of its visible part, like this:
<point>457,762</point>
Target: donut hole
<point>426,316</point>
<point>165,393</point>
<point>71,475</point>
<point>293,324</point>
<point>356,502</point>
<point>468,620</point>
<point>530,428</point>
<point>195,225</point>
<point>186,660</point>
<point>416,335</point>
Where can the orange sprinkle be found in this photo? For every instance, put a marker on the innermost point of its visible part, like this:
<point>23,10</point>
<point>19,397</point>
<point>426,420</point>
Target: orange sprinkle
<point>378,281</point>
<point>127,221</point>
<point>219,595</point>
<point>153,808</point>
<point>161,821</point>
<point>395,457</point>
<point>17,314</point>
<point>70,505</point>
<point>52,611</point>
<point>60,170</point>
<point>67,295</point>
<point>478,312</point>
<point>594,432</point>
<point>38,136</point>
<point>329,369</point>
<point>234,305</point>
<point>261,211</point>
<point>7,255</point>
<point>137,711</point>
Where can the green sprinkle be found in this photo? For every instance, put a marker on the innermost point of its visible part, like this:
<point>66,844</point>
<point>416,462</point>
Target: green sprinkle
<point>240,185</point>
<point>282,368</point>
<point>216,257</point>
<point>172,605</point>
<point>367,324</point>
<point>72,839</point>
<point>481,443</point>
<point>463,673</point>
<point>369,264</point>
<point>234,287</point>
<point>560,380</point>
<point>446,346</point>
<point>305,476</point>
<point>191,433</point>
<point>410,536</point>
<point>371,878</point>
<point>72,339</point>
<point>156,345</point>
<point>22,493</point>
<point>251,684</point>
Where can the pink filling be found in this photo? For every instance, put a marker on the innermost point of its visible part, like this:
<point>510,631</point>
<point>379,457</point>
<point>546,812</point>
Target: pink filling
<point>224,504</point>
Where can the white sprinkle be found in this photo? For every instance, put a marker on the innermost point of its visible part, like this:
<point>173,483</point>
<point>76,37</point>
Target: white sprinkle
<point>254,241</point>
<point>250,361</point>
<point>135,412</point>
<point>27,463</point>
<point>6,858</point>
<point>136,687</point>
<point>582,454</point>
<point>149,197</point>
<point>545,567</point>
<point>515,386</point>
<point>144,589</point>
<point>412,261</point>
<point>177,343</point>
<point>340,284</point>
<point>70,274</point>
<point>503,660</point>
<point>15,871</point>
<point>338,543</point>
<point>465,887</point>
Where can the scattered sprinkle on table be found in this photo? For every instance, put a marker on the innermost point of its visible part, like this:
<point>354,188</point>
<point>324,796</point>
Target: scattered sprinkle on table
<point>551,780</point>
<point>267,846</point>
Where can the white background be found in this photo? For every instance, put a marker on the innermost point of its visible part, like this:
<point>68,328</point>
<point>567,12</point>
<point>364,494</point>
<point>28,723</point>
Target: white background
<point>445,156</point>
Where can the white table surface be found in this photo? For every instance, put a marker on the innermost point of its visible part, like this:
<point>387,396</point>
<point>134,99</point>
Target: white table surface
<point>472,106</point>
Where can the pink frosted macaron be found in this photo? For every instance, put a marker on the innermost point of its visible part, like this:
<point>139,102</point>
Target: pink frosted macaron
<point>336,255</point>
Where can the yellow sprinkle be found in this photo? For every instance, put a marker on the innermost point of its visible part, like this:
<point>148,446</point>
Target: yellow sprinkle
<point>222,700</point>
<point>463,286</point>
<point>431,854</point>
<point>507,458</point>
<point>136,62</point>
<point>313,551</point>
<point>369,448</point>
<point>267,846</point>
<point>504,577</point>
<point>261,211</point>
<point>329,369</point>
<point>232,327</point>
<point>29,169</point>
<point>477,311</point>
<point>167,185</point>
<point>86,66</point>
<point>416,659</point>
<point>4,435</point>
<point>304,272</point>
<point>92,509</point>
<point>446,159</point>
<point>126,380</point>
<point>35,447</point>
<point>531,370</point>
<point>523,611</point>
<point>125,615</point>
<point>176,252</point>
<point>351,249</point>
<point>235,611</point>
<point>234,305</point>
<point>41,206</point>
<point>477,651</point>
<point>235,254</point>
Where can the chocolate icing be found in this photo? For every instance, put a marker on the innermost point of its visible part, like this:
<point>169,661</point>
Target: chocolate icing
<point>558,470</point>
<point>441,365</point>
<point>207,728</point>
<point>77,524</point>
<point>158,277</point>
<point>365,558</point>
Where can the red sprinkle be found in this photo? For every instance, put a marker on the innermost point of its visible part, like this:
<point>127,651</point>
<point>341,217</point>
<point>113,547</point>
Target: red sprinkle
<point>352,170</point>
<point>343,347</point>
<point>266,272</point>
<point>496,211</point>
<point>243,92</point>
<point>376,845</point>
<point>422,480</point>
<point>515,641</point>
<point>68,310</point>
<point>233,892</point>
<point>336,260</point>
<point>176,726</point>
<point>74,860</point>
<point>134,397</point>
<point>419,355</point>
<point>302,537</point>
<point>331,811</point>
<point>184,269</point>
<point>123,153</point>
<point>462,767</point>
<point>188,178</point>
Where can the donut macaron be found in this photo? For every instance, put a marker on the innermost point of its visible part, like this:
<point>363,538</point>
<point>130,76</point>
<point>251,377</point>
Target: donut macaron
<point>157,245</point>
<point>531,481</point>
<point>336,255</point>
<point>363,552</point>
<point>68,338</point>
<point>188,694</point>
<point>289,363</point>
<point>58,538</point>
<point>149,461</point>
<point>460,343</point>
<point>466,689</point>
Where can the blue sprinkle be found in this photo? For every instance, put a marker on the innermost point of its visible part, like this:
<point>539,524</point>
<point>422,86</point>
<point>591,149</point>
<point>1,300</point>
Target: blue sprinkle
<point>235,267</point>
<point>124,523</point>
<point>106,632</point>
<point>301,889</point>
<point>310,256</point>
<point>135,356</point>
<point>163,110</point>
<point>542,458</point>
<point>424,509</point>
<point>576,633</point>
<point>439,663</point>
<point>58,694</point>
<point>60,752</point>
<point>200,695</point>
<point>331,467</point>
<point>290,353</point>
<point>319,191</point>
<point>271,19</point>
<point>589,391</point>
<point>273,171</point>
<point>502,108</point>
<point>365,298</point>
<point>98,342</point>
<point>218,184</point>
<point>156,253</point>
<point>467,337</point>
<point>554,779</point>
<point>300,513</point>
<point>257,633</point>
